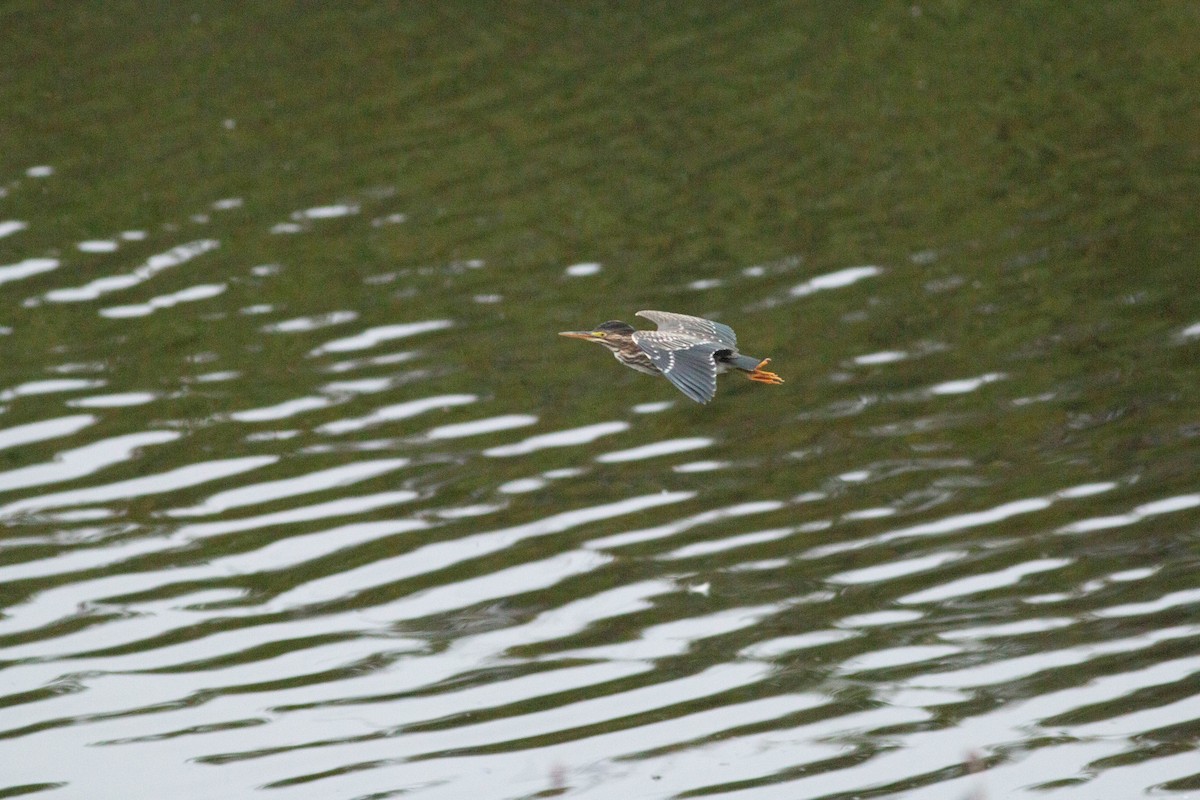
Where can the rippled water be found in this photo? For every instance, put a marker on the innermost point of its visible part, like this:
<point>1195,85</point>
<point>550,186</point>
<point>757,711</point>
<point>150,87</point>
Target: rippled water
<point>301,495</point>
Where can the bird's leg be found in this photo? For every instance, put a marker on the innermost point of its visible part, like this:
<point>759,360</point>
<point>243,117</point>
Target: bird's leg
<point>759,375</point>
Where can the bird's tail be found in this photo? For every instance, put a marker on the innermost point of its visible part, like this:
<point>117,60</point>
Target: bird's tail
<point>745,363</point>
<point>753,367</point>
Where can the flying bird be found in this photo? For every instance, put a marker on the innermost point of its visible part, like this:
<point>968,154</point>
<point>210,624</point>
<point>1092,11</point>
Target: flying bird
<point>688,351</point>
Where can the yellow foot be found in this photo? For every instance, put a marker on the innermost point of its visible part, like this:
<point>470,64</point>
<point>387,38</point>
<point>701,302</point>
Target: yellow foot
<point>759,375</point>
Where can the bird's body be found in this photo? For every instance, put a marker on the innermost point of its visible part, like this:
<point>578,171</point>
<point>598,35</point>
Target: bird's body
<point>688,351</point>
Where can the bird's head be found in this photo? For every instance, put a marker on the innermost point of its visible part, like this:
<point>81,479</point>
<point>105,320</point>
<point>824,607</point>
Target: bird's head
<point>613,334</point>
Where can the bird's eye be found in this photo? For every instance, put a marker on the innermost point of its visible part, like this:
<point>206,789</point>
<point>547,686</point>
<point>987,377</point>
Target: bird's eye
<point>600,334</point>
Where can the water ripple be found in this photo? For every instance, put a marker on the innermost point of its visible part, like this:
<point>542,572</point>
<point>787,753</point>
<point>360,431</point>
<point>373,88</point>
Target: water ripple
<point>80,462</point>
<point>257,493</point>
<point>311,501</point>
<point>169,481</point>
<point>383,333</point>
<point>46,429</point>
<point>27,268</point>
<point>191,294</point>
<point>180,254</point>
<point>565,438</point>
<point>395,412</point>
<point>666,448</point>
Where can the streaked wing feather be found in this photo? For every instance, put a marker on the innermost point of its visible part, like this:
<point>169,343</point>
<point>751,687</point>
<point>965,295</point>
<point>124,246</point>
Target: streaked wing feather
<point>691,326</point>
<point>683,361</point>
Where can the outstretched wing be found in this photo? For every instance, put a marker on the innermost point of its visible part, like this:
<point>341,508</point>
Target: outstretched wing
<point>691,326</point>
<point>683,361</point>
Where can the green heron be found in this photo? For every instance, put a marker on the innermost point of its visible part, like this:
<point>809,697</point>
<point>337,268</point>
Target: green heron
<point>688,351</point>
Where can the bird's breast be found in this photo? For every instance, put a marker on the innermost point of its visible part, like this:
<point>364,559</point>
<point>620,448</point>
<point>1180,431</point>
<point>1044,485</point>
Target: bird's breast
<point>641,363</point>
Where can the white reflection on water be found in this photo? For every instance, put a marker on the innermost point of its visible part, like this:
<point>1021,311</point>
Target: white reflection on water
<point>897,656</point>
<point>897,569</point>
<point>770,649</point>
<point>440,555</point>
<point>720,738</point>
<point>154,265</point>
<point>115,400</point>
<point>465,512</point>
<point>1023,665</point>
<point>700,466</point>
<point>464,653</point>
<point>51,386</point>
<point>1166,506</point>
<point>478,427</point>
<point>75,560</point>
<point>27,268</point>
<point>383,333</point>
<point>303,547</point>
<point>342,507</point>
<point>288,408</point>
<point>882,357</point>
<point>46,429</point>
<point>678,636</point>
<point>497,585</point>
<point>522,485</point>
<point>1184,597</point>
<point>398,750</point>
<point>875,619</point>
<point>834,280</point>
<point>360,386</point>
<point>305,324</point>
<point>656,449</point>
<point>1005,630</point>
<point>212,377</point>
<point>327,212</point>
<point>169,481</point>
<point>98,246</point>
<point>1086,489</point>
<point>687,523</point>
<point>398,411</point>
<point>984,582</point>
<point>565,438</point>
<point>728,543</point>
<point>257,493</point>
<point>642,758</point>
<point>581,270</point>
<point>306,724</point>
<point>653,408</point>
<point>965,385</point>
<point>868,513</point>
<point>78,462</point>
<point>191,294</point>
<point>351,364</point>
<point>10,226</point>
<point>955,522</point>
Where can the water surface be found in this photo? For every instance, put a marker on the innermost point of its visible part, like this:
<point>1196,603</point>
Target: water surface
<point>301,496</point>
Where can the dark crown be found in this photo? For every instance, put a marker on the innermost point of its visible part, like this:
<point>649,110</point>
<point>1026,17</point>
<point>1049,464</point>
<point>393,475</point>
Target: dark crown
<point>615,326</point>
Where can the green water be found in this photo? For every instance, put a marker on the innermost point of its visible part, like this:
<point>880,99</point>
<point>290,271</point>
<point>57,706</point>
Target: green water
<point>994,425</point>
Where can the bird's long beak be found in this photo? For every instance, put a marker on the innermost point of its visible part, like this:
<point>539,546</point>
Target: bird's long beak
<point>579,335</point>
